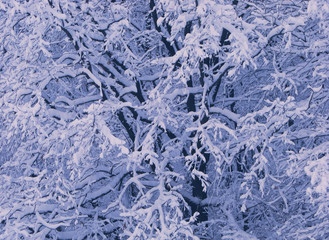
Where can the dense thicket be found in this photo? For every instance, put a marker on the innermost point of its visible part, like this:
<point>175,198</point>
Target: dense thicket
<point>164,119</point>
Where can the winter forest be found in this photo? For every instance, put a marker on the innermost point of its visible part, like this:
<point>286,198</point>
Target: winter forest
<point>164,119</point>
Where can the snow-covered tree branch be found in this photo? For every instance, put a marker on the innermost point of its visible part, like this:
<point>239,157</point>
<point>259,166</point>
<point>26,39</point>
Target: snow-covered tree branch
<point>164,119</point>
